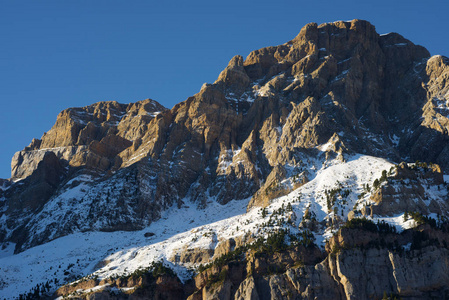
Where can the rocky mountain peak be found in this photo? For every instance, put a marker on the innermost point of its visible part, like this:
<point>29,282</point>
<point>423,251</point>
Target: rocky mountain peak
<point>234,76</point>
<point>90,136</point>
<point>268,126</point>
<point>308,136</point>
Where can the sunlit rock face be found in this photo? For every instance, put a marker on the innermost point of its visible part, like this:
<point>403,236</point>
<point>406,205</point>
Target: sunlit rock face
<point>270,126</point>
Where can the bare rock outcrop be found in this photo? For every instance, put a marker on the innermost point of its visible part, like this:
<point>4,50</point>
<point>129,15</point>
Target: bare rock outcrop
<point>143,286</point>
<point>90,136</point>
<point>407,191</point>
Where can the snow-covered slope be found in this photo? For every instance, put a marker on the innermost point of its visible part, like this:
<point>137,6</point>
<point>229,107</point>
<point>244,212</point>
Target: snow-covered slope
<point>106,254</point>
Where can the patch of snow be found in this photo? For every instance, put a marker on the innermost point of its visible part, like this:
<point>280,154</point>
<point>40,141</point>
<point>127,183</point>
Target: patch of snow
<point>394,139</point>
<point>325,147</point>
<point>250,99</point>
<point>341,75</point>
<point>153,114</point>
<point>264,91</point>
<point>7,250</point>
<point>446,178</point>
<point>4,186</point>
<point>345,60</point>
<point>227,159</point>
<point>407,247</point>
<point>397,221</point>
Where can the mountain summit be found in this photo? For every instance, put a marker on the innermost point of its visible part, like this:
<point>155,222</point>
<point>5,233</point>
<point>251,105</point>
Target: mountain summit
<point>307,137</point>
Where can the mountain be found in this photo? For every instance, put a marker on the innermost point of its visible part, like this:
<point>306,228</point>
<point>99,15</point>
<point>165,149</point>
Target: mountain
<point>267,183</point>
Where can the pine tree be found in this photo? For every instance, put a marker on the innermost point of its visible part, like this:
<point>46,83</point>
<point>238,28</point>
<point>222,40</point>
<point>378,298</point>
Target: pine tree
<point>376,184</point>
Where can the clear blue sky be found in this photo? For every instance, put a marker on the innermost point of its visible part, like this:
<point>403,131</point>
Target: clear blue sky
<point>60,54</point>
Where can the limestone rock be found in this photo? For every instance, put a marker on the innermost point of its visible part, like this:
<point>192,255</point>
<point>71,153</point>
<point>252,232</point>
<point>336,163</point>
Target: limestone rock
<point>40,185</point>
<point>406,191</point>
<point>105,128</point>
<point>247,290</point>
<point>195,256</point>
<point>224,247</point>
<point>234,76</point>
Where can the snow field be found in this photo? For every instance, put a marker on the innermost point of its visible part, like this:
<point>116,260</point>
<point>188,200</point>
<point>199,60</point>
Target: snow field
<point>106,254</point>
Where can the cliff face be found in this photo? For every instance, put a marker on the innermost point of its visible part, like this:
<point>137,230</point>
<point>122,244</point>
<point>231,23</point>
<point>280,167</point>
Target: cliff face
<point>359,264</point>
<point>89,137</point>
<point>267,127</point>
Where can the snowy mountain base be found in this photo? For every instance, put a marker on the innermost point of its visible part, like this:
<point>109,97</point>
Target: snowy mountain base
<point>104,255</point>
